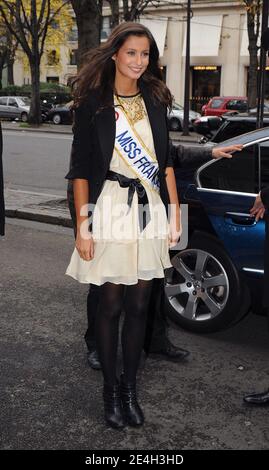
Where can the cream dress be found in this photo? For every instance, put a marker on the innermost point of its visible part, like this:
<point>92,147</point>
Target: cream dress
<point>122,253</point>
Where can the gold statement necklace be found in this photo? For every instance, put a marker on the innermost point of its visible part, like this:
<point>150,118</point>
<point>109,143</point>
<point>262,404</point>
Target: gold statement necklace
<point>132,106</point>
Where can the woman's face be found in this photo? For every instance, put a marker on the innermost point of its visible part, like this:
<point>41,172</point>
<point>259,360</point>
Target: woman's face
<point>132,58</point>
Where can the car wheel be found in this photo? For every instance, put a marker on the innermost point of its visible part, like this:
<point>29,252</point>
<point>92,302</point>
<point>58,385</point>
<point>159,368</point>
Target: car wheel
<point>175,125</point>
<point>24,117</point>
<point>56,119</point>
<point>204,292</point>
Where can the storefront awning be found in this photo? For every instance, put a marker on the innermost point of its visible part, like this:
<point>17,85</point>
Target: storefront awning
<point>158,29</point>
<point>204,36</point>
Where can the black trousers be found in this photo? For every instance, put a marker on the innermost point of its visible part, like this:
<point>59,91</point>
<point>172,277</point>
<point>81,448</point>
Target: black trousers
<point>156,331</point>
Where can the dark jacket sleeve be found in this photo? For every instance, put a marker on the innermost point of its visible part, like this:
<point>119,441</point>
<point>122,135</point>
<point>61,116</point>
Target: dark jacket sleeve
<point>265,197</point>
<point>170,160</point>
<point>81,145</point>
<point>189,157</point>
<point>2,203</point>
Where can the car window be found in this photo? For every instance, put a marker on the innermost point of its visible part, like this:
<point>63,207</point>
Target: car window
<point>24,101</point>
<point>12,102</point>
<point>216,103</point>
<point>3,101</point>
<point>230,129</point>
<point>238,105</point>
<point>239,173</point>
<point>264,155</point>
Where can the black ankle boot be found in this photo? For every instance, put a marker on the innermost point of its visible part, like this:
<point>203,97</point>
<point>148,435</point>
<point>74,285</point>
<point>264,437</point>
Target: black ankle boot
<point>131,409</point>
<point>113,407</point>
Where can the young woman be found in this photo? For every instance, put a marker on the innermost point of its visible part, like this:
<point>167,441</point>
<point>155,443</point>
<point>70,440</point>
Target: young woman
<point>120,164</point>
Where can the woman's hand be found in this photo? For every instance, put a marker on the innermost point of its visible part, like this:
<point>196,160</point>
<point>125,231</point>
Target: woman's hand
<point>226,152</point>
<point>258,208</point>
<point>85,246</point>
<point>174,226</point>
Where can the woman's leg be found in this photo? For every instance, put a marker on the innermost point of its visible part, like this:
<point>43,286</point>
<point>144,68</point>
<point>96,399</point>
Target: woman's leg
<point>107,328</point>
<point>133,333</point>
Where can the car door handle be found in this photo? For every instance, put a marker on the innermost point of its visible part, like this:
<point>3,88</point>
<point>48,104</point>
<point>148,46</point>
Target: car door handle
<point>240,218</point>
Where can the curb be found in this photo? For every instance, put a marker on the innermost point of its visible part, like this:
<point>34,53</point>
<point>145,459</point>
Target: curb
<point>36,217</point>
<point>187,139</point>
<point>34,129</point>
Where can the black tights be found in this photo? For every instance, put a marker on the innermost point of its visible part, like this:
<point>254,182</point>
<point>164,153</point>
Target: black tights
<point>134,300</point>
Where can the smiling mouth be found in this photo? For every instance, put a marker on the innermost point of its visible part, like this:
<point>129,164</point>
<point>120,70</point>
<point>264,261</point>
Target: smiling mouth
<point>136,70</point>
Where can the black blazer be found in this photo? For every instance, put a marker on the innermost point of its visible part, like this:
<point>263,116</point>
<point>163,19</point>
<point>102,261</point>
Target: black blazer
<point>94,136</point>
<point>2,204</point>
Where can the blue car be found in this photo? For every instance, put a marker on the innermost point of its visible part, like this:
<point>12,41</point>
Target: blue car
<point>219,276</point>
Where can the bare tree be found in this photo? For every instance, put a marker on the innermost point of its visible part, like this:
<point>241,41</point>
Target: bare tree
<point>29,26</point>
<point>253,8</point>
<point>8,47</point>
<point>132,11</point>
<point>89,20</point>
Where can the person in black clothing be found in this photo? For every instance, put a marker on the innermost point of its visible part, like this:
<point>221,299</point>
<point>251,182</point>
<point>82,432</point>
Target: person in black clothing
<point>2,203</point>
<point>156,341</point>
<point>258,210</point>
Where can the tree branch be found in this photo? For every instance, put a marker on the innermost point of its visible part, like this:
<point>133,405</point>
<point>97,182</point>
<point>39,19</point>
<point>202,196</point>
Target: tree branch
<point>21,38</point>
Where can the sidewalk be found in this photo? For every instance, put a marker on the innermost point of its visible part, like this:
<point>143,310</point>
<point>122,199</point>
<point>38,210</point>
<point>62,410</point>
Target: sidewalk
<point>67,129</point>
<point>50,208</point>
<point>40,207</point>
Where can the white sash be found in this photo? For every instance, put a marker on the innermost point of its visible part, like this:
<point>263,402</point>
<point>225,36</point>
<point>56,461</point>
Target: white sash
<point>134,152</point>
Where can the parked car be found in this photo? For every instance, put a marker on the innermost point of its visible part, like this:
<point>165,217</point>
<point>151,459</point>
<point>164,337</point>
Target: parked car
<point>213,282</point>
<point>175,117</point>
<point>233,126</point>
<point>219,105</point>
<point>60,114</point>
<point>216,129</point>
<point>14,107</point>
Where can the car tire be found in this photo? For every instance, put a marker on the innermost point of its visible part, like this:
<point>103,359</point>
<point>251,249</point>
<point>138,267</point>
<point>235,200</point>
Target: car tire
<point>57,119</point>
<point>175,125</point>
<point>219,305</point>
<point>24,117</point>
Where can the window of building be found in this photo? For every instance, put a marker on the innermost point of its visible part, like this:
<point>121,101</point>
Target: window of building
<point>73,34</point>
<point>205,84</point>
<point>73,57</point>
<point>239,173</point>
<point>164,72</point>
<point>52,79</point>
<point>53,57</point>
<point>54,24</point>
<point>106,27</point>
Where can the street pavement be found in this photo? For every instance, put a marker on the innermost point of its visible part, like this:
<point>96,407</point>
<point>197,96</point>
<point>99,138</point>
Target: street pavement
<point>51,399</point>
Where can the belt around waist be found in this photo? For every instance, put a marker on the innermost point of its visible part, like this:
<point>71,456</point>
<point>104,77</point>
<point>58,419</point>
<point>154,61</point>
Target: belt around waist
<point>134,184</point>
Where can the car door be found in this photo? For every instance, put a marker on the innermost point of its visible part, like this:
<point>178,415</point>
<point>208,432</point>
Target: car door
<point>227,189</point>
<point>3,106</point>
<point>13,108</point>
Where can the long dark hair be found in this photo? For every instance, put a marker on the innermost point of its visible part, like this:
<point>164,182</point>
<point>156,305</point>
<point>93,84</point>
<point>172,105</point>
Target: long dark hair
<point>99,69</point>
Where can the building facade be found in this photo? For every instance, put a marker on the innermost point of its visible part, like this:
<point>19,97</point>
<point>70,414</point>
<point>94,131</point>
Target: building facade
<point>219,49</point>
